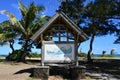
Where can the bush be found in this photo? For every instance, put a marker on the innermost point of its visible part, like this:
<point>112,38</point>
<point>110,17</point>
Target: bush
<point>82,54</point>
<point>106,55</point>
<point>15,56</point>
<point>35,55</point>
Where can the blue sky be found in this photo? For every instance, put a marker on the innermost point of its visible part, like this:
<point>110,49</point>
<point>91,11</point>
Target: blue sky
<point>100,43</point>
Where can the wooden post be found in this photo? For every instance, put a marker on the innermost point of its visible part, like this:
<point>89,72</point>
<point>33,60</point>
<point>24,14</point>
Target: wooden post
<point>67,34</point>
<point>41,72</point>
<point>42,61</point>
<point>76,49</point>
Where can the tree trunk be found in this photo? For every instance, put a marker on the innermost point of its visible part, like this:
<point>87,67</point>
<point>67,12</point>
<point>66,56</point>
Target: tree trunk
<point>11,45</point>
<point>25,52</point>
<point>23,57</point>
<point>91,47</point>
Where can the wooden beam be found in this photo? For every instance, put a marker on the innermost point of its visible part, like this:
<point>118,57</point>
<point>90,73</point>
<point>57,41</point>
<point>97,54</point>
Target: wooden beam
<point>57,25</point>
<point>56,30</point>
<point>41,37</point>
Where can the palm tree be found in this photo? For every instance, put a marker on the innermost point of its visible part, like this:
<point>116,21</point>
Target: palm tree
<point>29,23</point>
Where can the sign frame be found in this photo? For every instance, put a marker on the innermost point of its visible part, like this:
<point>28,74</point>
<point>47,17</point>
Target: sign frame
<point>44,54</point>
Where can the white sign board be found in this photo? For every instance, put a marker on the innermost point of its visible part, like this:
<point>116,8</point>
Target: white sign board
<point>59,52</point>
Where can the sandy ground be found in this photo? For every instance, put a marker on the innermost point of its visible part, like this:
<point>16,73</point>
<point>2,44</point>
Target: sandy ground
<point>8,71</point>
<point>19,71</point>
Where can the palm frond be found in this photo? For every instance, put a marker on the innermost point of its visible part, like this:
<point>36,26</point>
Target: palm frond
<point>32,13</point>
<point>39,23</point>
<point>23,9</point>
<point>13,20</point>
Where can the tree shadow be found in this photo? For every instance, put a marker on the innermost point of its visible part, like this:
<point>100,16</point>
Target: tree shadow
<point>109,66</point>
<point>60,71</point>
<point>29,70</point>
<point>104,66</point>
<point>54,71</point>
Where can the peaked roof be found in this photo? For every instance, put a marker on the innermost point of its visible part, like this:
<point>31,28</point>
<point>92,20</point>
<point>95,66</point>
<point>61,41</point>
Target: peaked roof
<point>64,17</point>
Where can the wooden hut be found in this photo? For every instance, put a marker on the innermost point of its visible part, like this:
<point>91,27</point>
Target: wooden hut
<point>59,39</point>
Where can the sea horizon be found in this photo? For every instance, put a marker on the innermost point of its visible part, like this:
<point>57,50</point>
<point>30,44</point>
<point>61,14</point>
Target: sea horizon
<point>115,55</point>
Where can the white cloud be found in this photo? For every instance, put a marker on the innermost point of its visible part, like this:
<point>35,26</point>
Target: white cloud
<point>16,6</point>
<point>4,12</point>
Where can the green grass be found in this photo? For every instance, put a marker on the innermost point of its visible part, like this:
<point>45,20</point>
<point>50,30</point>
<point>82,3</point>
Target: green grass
<point>105,57</point>
<point>31,78</point>
<point>2,58</point>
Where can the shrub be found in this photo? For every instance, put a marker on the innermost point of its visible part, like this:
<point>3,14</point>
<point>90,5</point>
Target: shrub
<point>82,54</point>
<point>108,55</point>
<point>35,55</point>
<point>15,56</point>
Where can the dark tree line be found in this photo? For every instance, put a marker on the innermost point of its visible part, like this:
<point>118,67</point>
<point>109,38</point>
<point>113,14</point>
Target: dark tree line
<point>96,18</point>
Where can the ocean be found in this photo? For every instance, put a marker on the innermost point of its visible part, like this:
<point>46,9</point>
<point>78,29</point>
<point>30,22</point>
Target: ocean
<point>115,55</point>
<point>3,55</point>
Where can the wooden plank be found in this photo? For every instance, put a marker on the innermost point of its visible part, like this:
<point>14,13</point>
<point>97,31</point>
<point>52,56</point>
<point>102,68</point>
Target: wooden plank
<point>57,24</point>
<point>56,30</point>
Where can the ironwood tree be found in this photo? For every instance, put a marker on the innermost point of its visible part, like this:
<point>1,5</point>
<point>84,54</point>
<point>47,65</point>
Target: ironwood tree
<point>95,18</point>
<point>100,20</point>
<point>73,9</point>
